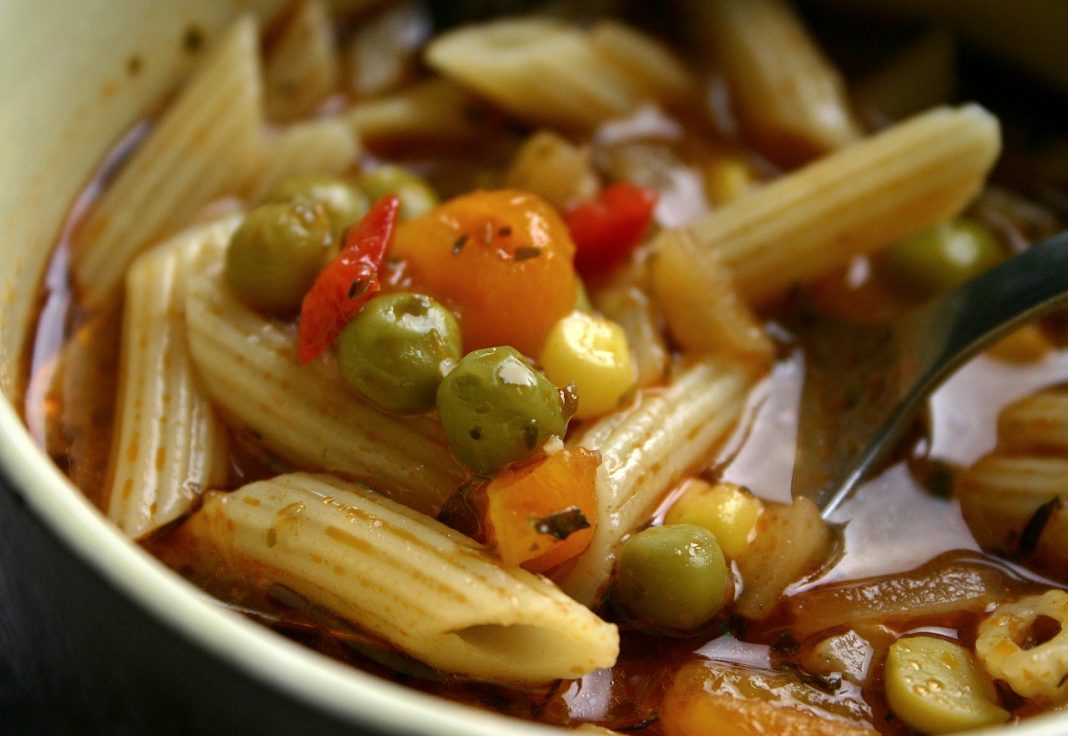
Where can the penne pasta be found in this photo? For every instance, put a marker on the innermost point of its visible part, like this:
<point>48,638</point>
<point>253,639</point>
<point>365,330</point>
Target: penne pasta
<point>548,71</point>
<point>435,109</point>
<point>645,450</point>
<point>857,200</point>
<point>169,445</point>
<point>206,144</point>
<point>790,99</point>
<point>700,303</point>
<point>306,414</point>
<point>325,146</point>
<point>301,68</point>
<point>421,586</point>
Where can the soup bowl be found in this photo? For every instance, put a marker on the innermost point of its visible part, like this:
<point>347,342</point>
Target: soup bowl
<point>101,634</point>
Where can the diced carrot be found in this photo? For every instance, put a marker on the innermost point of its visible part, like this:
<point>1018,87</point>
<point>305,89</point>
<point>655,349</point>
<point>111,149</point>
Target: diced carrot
<point>503,260</point>
<point>542,514</point>
<point>695,705</point>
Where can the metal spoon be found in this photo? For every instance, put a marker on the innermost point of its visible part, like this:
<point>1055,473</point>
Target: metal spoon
<point>865,384</point>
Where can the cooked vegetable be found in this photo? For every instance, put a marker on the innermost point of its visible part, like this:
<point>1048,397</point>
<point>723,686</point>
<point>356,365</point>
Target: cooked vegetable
<point>590,352</point>
<point>496,409</point>
<point>276,253</point>
<point>934,686</point>
<point>725,510</point>
<point>344,203</point>
<point>501,259</point>
<point>345,285</point>
<point>942,258</point>
<point>416,196</point>
<point>542,514</point>
<point>607,228</point>
<point>719,699</point>
<point>672,576</point>
<point>397,349</point>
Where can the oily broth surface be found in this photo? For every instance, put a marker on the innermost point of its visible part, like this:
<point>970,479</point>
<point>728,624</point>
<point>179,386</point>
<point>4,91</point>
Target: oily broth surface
<point>70,412</point>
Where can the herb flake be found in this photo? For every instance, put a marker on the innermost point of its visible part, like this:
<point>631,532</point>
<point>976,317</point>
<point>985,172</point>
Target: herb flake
<point>562,524</point>
<point>526,252</point>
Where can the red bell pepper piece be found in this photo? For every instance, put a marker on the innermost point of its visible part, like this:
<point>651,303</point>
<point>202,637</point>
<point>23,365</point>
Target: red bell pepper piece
<point>607,229</point>
<point>345,285</point>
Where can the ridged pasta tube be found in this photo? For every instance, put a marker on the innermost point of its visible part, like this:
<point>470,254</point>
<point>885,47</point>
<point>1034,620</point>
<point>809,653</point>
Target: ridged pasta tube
<point>306,414</point>
<point>208,143</point>
<point>325,146</point>
<point>1040,671</point>
<point>854,201</point>
<point>421,586</point>
<point>790,98</point>
<point>1019,505</point>
<point>169,445</point>
<point>547,71</point>
<point>646,449</point>
<point>302,67</point>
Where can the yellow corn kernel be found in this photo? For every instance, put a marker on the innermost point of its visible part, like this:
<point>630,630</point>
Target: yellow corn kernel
<point>724,509</point>
<point>592,353</point>
<point>934,686</point>
<point>726,178</point>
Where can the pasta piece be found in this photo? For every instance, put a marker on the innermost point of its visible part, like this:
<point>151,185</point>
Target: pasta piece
<point>921,76</point>
<point>791,543</point>
<point>382,51</point>
<point>169,445</point>
<point>934,591</point>
<point>655,73</point>
<point>1039,671</point>
<point>1019,506</point>
<point>811,222</point>
<point>790,100</point>
<point>421,586</point>
<point>645,450</point>
<point>208,143</point>
<point>306,414</point>
<point>703,309</point>
<point>632,309</point>
<point>547,71</point>
<point>435,109</point>
<point>326,146</point>
<point>554,169</point>
<point>301,68</point>
<point>1036,424</point>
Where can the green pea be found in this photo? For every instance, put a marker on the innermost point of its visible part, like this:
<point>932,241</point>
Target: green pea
<point>343,202</point>
<point>276,253</point>
<point>672,576</point>
<point>397,349</point>
<point>416,196</point>
<point>496,409</point>
<point>942,258</point>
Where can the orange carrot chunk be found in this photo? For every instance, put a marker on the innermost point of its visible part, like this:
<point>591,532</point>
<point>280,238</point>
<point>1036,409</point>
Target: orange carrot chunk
<point>541,514</point>
<point>502,260</point>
